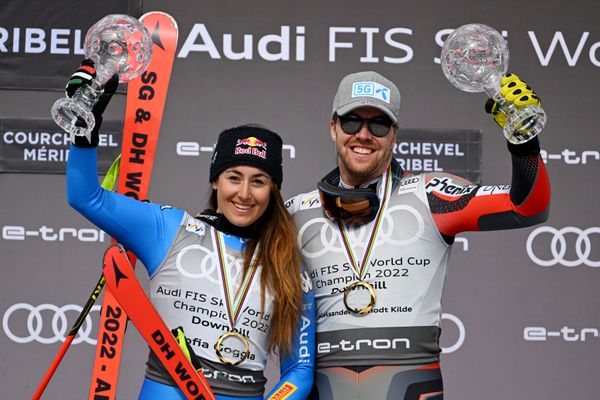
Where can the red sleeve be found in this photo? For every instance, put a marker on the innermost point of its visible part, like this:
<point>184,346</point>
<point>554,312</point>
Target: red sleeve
<point>458,205</point>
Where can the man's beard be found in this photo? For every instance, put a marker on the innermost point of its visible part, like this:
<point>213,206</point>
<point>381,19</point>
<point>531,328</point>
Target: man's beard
<point>370,172</point>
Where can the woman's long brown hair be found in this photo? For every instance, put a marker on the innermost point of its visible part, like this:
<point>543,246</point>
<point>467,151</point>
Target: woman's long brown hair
<point>280,259</point>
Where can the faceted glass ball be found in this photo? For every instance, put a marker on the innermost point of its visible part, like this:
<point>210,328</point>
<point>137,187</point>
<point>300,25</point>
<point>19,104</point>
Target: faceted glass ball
<point>474,57</point>
<point>121,41</point>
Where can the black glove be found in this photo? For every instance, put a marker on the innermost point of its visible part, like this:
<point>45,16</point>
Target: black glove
<point>84,76</point>
<point>516,92</point>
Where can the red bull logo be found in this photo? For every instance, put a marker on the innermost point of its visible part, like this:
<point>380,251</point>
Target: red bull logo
<point>251,145</point>
<point>252,142</point>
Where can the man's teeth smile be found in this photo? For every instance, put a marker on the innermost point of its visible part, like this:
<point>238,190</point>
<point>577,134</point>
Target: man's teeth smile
<point>362,150</point>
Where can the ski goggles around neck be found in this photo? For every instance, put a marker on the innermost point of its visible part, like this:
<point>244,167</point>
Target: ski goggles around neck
<point>352,206</point>
<point>378,126</point>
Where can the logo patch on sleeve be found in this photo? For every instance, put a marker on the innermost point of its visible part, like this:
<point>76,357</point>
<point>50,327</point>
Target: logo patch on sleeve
<point>284,391</point>
<point>409,184</point>
<point>195,226</point>
<point>448,187</point>
<point>490,190</point>
<point>310,201</point>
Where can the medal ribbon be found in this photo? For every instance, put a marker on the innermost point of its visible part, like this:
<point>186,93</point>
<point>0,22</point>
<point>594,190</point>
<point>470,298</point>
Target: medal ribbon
<point>361,272</point>
<point>233,307</point>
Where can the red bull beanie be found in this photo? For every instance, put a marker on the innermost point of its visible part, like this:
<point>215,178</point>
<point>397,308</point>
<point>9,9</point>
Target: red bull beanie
<point>248,145</point>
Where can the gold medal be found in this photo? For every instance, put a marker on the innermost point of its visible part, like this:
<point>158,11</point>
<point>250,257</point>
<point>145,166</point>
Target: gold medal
<point>360,269</point>
<point>365,285</point>
<point>244,354</point>
<point>233,307</point>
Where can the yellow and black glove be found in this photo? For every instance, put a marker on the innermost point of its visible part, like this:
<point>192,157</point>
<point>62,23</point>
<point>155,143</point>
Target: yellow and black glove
<point>516,92</point>
<point>187,349</point>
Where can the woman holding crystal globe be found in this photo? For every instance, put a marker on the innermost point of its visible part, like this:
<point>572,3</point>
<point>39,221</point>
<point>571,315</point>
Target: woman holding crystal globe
<point>228,281</point>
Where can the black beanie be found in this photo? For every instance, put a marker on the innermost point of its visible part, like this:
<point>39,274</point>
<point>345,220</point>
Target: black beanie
<point>248,145</point>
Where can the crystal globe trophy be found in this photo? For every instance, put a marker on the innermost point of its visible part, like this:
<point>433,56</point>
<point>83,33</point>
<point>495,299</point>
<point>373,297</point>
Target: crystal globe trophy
<point>474,59</point>
<point>117,44</point>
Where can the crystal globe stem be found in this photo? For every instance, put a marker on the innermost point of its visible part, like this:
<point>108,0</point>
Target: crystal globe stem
<point>89,94</point>
<point>522,124</point>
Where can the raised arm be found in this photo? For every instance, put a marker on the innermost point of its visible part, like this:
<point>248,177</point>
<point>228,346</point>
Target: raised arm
<point>457,205</point>
<point>144,228</point>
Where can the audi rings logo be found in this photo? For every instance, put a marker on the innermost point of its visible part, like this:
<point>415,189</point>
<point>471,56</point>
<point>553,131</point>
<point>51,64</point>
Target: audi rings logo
<point>329,240</point>
<point>561,250</point>
<point>24,323</point>
<point>461,333</point>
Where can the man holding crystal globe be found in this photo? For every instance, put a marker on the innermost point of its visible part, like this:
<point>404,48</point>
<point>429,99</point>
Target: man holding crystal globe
<point>376,240</point>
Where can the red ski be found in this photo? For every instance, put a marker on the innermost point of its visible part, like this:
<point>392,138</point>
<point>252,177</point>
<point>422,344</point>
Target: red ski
<point>127,290</point>
<point>146,98</point>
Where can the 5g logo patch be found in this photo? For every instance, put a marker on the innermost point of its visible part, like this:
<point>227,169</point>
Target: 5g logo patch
<point>371,89</point>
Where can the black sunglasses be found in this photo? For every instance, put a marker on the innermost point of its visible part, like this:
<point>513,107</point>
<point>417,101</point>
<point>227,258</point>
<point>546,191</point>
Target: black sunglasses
<point>378,126</point>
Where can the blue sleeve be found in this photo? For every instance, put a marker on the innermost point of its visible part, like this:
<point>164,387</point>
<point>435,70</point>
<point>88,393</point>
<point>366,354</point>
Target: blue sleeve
<point>144,228</point>
<point>297,367</point>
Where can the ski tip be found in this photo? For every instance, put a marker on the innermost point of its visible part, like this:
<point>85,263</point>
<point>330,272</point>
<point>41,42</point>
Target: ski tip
<point>150,13</point>
<point>116,246</point>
